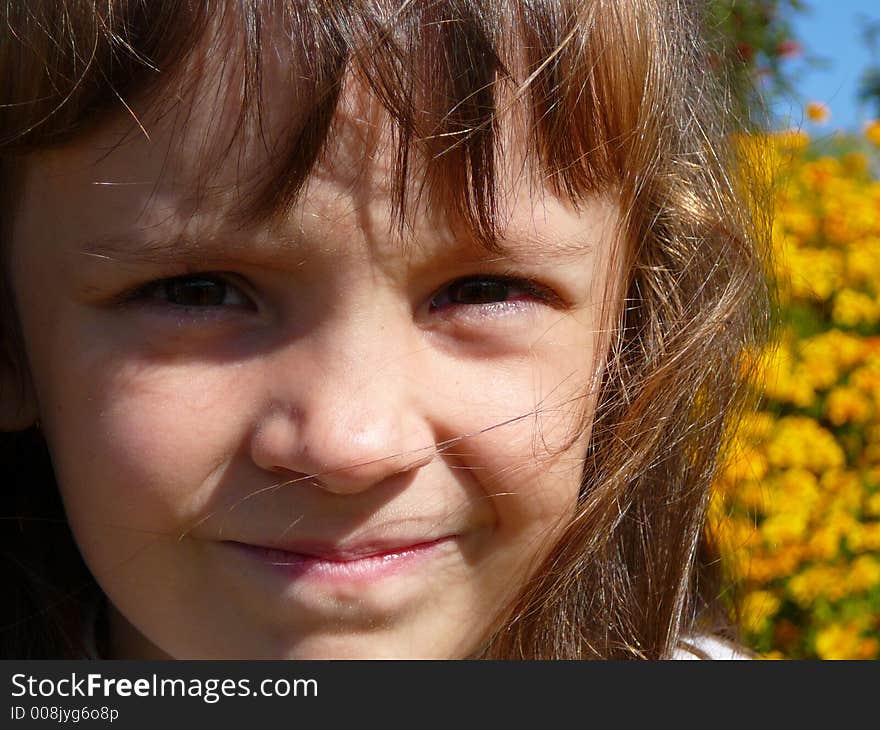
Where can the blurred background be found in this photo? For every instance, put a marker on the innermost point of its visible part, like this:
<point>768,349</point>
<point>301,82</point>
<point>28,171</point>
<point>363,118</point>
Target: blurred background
<point>797,506</point>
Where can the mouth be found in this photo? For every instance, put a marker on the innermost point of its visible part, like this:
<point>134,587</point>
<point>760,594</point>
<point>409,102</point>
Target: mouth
<point>364,561</point>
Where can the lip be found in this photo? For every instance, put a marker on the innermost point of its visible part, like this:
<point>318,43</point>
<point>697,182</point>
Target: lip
<point>365,561</point>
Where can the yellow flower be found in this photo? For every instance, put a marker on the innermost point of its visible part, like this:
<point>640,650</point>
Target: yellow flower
<point>872,504</point>
<point>872,132</point>
<point>863,262</point>
<point>865,539</point>
<point>844,642</point>
<point>867,380</point>
<point>772,656</point>
<point>783,379</point>
<point>744,463</point>
<point>801,442</point>
<point>791,140</point>
<point>842,348</point>
<point>844,489</point>
<point>796,506</point>
<point>793,491</point>
<point>815,273</point>
<point>824,543</point>
<point>784,528</point>
<point>847,405</point>
<point>752,494</point>
<point>757,425</point>
<point>852,308</point>
<point>817,112</point>
<point>864,573</point>
<point>761,568</point>
<point>818,174</point>
<point>856,163</point>
<point>797,221</point>
<point>758,608</point>
<point>816,581</point>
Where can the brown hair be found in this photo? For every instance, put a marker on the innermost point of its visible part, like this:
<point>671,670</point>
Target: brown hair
<point>617,94</point>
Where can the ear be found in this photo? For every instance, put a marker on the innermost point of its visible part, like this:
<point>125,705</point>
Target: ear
<point>18,403</point>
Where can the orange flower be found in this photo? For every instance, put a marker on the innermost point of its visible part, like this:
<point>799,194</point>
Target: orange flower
<point>817,112</point>
<point>872,132</point>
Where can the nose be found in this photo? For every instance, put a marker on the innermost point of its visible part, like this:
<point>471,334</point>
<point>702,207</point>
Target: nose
<point>345,430</point>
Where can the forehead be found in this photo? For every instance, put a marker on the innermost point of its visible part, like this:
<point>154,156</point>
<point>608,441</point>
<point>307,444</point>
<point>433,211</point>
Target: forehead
<point>544,96</point>
<point>192,159</point>
<point>133,202</point>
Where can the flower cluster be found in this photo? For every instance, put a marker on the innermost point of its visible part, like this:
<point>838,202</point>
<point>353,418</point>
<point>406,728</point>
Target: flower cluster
<point>797,505</point>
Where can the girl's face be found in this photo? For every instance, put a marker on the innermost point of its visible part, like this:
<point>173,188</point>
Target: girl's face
<point>303,437</point>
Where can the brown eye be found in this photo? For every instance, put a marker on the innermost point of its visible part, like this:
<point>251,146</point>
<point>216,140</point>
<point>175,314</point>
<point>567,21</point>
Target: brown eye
<point>196,291</point>
<point>481,290</point>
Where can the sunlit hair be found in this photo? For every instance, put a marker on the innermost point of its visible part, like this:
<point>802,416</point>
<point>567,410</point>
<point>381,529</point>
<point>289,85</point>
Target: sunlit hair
<point>615,95</point>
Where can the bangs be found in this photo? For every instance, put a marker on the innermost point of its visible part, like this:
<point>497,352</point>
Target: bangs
<point>577,81</point>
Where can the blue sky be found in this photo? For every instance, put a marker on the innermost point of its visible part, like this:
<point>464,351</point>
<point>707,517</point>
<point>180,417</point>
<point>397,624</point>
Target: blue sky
<point>831,30</point>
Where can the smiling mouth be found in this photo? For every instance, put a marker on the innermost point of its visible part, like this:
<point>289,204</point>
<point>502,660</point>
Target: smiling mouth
<point>366,562</point>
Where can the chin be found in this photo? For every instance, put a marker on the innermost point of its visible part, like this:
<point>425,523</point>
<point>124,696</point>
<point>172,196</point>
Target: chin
<point>359,647</point>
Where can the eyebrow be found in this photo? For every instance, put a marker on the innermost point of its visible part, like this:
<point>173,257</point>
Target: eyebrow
<point>182,248</point>
<point>185,249</point>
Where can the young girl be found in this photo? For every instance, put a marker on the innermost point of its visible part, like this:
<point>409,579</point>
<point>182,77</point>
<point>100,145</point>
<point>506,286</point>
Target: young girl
<point>365,329</point>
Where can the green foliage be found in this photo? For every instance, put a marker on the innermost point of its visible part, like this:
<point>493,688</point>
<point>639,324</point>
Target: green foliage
<point>869,83</point>
<point>754,41</point>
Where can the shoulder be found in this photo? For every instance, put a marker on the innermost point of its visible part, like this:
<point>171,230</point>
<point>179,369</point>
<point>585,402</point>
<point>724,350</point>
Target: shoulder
<point>704,646</point>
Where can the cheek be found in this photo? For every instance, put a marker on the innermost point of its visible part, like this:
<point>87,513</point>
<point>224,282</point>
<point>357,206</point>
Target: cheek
<point>141,444</point>
<point>534,466</point>
<point>532,424</point>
